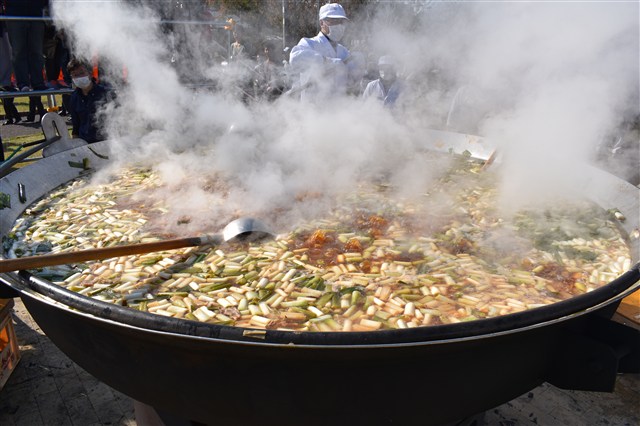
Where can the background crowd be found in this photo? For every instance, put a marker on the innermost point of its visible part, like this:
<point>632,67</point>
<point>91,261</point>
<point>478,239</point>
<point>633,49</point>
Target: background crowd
<point>36,56</point>
<point>258,42</point>
<point>33,56</point>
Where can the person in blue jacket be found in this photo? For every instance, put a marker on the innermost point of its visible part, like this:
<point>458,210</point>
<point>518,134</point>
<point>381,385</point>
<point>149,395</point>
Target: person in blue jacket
<point>388,87</point>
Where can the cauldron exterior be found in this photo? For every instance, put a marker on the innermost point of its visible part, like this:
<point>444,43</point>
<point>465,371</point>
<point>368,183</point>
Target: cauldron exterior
<point>232,383</point>
<point>433,382</point>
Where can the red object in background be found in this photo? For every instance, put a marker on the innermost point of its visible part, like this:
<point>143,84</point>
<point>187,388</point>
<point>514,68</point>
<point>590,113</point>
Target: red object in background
<point>9,349</point>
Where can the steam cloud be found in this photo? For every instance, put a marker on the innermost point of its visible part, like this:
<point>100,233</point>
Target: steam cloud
<point>546,81</point>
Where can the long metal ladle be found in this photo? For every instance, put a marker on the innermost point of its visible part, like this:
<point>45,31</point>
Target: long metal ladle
<point>242,229</point>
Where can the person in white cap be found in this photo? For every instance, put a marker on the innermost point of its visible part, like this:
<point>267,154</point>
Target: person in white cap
<point>387,88</point>
<point>323,63</point>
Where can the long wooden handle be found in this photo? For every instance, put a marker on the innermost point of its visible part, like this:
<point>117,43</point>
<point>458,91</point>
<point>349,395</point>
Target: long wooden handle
<point>32,262</point>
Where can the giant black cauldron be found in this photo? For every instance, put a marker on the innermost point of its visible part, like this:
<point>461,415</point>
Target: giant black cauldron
<point>435,375</point>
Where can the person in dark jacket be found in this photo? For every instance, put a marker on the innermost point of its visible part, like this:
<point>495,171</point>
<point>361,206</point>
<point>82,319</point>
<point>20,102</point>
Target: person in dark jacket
<point>85,102</point>
<point>10,110</point>
<point>27,39</point>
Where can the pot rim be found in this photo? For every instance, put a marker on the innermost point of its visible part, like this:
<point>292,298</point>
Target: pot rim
<point>596,300</point>
<point>27,284</point>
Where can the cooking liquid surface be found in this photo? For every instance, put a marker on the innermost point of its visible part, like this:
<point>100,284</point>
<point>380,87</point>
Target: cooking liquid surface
<point>374,262</point>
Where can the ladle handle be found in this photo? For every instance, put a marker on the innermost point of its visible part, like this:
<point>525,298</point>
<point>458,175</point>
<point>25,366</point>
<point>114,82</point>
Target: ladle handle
<point>31,262</point>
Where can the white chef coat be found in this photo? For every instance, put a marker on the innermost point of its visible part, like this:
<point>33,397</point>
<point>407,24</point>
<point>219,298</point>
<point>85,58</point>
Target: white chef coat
<point>376,89</point>
<point>321,67</point>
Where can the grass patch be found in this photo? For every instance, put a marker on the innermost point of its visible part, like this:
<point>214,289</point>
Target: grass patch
<point>22,102</point>
<point>14,143</point>
<point>14,147</point>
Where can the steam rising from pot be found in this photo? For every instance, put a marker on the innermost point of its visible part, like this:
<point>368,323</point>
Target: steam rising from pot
<point>546,81</point>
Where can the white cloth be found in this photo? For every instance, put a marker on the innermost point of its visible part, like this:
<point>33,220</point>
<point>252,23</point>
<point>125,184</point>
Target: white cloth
<point>332,10</point>
<point>322,68</point>
<point>376,89</point>
<point>466,110</point>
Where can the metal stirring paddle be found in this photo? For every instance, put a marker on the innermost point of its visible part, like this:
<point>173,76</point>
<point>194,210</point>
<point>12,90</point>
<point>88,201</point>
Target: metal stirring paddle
<point>242,229</point>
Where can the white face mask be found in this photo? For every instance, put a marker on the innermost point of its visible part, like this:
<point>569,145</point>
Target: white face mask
<point>387,75</point>
<point>336,32</point>
<point>82,82</point>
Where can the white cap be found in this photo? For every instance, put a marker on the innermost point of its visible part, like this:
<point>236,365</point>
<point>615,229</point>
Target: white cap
<point>332,10</point>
